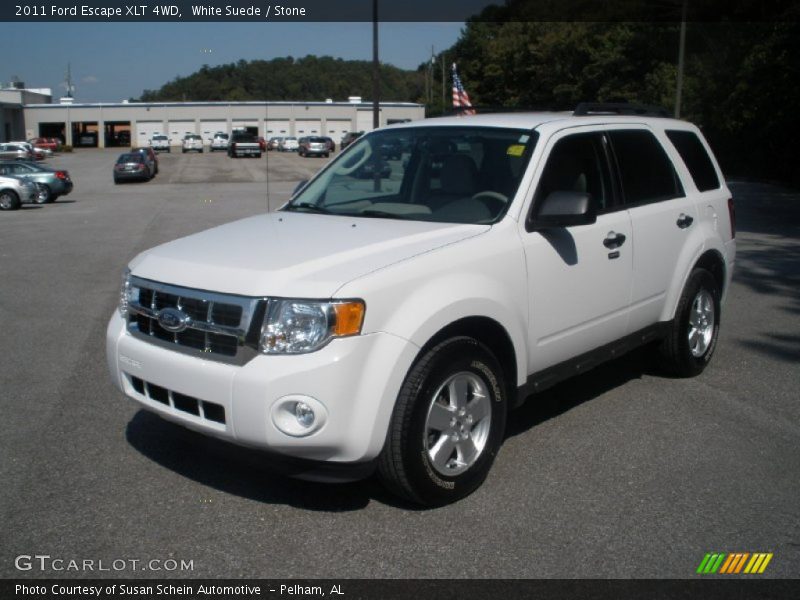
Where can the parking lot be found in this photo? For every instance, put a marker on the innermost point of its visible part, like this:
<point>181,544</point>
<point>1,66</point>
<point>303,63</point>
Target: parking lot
<point>619,473</point>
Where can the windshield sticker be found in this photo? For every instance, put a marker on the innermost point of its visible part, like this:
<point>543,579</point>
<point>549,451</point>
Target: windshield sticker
<point>523,139</point>
<point>515,150</point>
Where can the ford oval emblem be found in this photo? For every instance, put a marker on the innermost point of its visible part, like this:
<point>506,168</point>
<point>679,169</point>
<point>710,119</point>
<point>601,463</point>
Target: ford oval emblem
<point>173,320</point>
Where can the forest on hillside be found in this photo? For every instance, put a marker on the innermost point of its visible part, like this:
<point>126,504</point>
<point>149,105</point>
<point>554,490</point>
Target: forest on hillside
<point>309,78</point>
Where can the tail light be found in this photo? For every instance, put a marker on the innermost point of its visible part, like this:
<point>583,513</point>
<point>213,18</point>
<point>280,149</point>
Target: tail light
<point>732,215</point>
<point>62,174</point>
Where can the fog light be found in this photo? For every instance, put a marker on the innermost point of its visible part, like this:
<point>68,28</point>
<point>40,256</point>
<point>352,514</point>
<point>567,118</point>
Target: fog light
<point>304,413</point>
<point>298,415</point>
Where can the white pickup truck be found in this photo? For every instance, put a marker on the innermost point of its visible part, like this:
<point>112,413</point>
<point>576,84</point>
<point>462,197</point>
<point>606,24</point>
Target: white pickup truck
<point>391,323</point>
<point>160,143</point>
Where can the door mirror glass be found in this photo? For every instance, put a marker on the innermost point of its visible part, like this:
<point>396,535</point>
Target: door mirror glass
<point>565,209</point>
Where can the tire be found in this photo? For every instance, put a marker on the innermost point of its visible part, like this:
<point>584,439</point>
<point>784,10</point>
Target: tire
<point>9,200</point>
<point>459,373</point>
<point>45,195</point>
<point>258,155</point>
<point>325,155</point>
<point>183,150</point>
<point>694,332</point>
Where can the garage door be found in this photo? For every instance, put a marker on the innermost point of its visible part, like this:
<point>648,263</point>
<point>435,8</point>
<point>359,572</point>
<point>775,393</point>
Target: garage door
<point>303,127</point>
<point>336,128</point>
<point>145,130</point>
<point>249,124</point>
<point>278,128</point>
<point>209,128</point>
<point>178,129</point>
<point>364,120</point>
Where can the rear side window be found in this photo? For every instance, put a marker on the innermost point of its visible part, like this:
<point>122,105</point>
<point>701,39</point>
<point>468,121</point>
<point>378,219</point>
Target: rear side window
<point>645,169</point>
<point>696,158</point>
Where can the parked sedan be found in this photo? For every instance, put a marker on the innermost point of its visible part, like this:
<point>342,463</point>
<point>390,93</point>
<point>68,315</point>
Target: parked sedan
<point>15,191</point>
<point>152,158</point>
<point>132,165</point>
<point>274,143</point>
<point>52,182</point>
<point>15,152</point>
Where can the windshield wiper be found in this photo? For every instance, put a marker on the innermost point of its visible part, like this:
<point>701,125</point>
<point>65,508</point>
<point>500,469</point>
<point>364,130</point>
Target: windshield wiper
<point>309,206</point>
<point>371,212</point>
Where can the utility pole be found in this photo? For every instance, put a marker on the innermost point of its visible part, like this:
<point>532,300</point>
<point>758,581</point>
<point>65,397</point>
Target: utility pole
<point>681,53</point>
<point>376,83</point>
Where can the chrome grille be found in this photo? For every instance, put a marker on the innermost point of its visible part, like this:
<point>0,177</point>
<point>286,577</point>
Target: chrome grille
<point>219,327</point>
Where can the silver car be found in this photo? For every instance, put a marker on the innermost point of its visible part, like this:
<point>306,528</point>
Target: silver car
<point>15,152</point>
<point>15,191</point>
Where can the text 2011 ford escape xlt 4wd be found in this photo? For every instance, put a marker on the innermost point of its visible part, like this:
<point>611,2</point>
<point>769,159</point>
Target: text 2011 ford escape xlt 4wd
<point>391,322</point>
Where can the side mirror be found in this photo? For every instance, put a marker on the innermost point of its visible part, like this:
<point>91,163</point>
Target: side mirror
<point>299,187</point>
<point>564,209</point>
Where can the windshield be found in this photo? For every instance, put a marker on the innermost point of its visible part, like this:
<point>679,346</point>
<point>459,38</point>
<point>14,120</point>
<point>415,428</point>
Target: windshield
<point>441,174</point>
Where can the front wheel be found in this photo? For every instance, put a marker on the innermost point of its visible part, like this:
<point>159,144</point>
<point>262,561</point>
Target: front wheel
<point>693,335</point>
<point>447,425</point>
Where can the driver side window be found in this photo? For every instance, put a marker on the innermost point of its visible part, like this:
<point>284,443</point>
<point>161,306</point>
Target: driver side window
<point>577,164</point>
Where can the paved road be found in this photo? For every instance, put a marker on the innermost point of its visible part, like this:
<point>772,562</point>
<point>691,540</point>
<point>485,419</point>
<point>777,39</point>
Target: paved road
<point>620,473</point>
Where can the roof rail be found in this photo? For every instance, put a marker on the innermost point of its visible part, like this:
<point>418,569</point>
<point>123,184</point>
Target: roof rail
<point>619,108</point>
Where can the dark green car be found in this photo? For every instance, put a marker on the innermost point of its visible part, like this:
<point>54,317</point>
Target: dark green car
<point>52,183</point>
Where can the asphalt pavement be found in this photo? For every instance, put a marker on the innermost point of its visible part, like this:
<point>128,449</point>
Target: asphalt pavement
<point>620,473</point>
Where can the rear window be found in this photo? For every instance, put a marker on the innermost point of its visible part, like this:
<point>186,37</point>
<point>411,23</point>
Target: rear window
<point>645,169</point>
<point>696,158</point>
<point>130,158</point>
<point>244,137</point>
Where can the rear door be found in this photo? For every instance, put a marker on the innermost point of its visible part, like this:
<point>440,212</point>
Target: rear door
<point>578,283</point>
<point>662,216</point>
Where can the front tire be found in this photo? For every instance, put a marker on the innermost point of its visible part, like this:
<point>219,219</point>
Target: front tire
<point>447,425</point>
<point>693,335</point>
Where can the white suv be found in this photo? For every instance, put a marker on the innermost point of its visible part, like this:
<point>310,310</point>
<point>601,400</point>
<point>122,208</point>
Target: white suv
<point>392,321</point>
<point>192,143</point>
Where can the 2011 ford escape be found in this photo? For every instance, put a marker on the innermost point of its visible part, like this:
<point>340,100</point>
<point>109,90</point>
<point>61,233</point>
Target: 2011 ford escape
<point>392,322</point>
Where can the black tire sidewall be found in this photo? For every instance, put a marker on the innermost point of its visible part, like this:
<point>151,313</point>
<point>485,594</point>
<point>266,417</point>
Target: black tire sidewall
<point>459,354</point>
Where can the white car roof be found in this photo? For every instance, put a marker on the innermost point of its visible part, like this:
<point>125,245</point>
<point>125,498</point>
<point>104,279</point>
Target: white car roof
<point>532,120</point>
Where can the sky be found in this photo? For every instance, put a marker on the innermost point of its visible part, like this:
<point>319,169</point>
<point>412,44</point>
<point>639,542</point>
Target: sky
<point>115,61</point>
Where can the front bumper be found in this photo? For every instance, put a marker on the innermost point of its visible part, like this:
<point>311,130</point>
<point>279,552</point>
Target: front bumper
<point>355,380</point>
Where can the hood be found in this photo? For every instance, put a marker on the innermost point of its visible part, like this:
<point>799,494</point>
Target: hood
<point>293,254</point>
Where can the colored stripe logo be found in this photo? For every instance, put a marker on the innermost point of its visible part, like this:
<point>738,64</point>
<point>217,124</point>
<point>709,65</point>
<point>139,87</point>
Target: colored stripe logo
<point>734,563</point>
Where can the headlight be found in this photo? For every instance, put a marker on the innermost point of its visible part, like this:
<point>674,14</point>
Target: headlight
<point>125,293</point>
<point>300,326</point>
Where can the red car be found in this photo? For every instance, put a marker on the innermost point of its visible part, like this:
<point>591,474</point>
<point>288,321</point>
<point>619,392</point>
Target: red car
<point>263,143</point>
<point>48,143</point>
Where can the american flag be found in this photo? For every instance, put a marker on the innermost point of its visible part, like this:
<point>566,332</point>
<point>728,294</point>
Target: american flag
<point>460,97</point>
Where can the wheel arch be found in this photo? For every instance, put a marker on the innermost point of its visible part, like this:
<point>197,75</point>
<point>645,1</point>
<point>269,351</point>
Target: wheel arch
<point>710,259</point>
<point>491,334</point>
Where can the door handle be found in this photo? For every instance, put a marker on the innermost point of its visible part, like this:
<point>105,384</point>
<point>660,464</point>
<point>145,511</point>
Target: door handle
<point>614,240</point>
<point>684,221</point>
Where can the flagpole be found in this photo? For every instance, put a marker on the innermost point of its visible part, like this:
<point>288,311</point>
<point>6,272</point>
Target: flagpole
<point>376,82</point>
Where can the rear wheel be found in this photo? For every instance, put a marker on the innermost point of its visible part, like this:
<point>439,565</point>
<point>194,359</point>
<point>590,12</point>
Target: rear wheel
<point>692,338</point>
<point>447,426</point>
<point>45,194</point>
<point>9,200</point>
